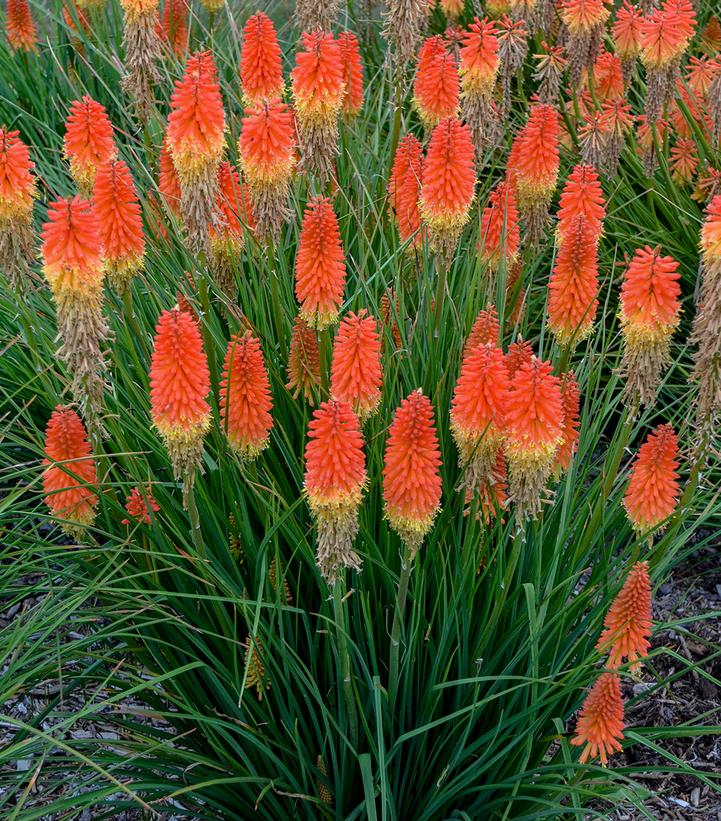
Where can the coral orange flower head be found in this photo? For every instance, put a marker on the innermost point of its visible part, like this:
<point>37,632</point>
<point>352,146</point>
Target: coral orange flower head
<point>116,206</point>
<point>533,161</point>
<point>500,237</point>
<point>227,238</point>
<point>179,386</point>
<point>650,311</point>
<point>534,432</point>
<point>196,124</point>
<point>168,181</point>
<point>582,195</point>
<point>319,265</point>
<point>700,73</point>
<point>653,489</point>
<point>607,77</point>
<point>582,17</point>
<point>519,353</point>
<point>261,71</point>
<point>334,480</point>
<point>478,413</point>
<point>352,73</point>
<point>571,399</point>
<point>683,161</point>
<point>485,331</point>
<point>628,621</point>
<point>436,87</point>
<point>88,141</point>
<point>69,477</point>
<point>20,27</point>
<point>303,360</point>
<point>666,33</point>
<point>573,285</point>
<point>627,31</point>
<point>411,481</point>
<point>356,376</point>
<point>599,728</point>
<point>17,193</point>
<point>139,505</point>
<point>447,190</point>
<point>479,59</point>
<point>267,156</point>
<point>404,189</point>
<point>245,400</point>
<point>711,236</point>
<point>173,26</point>
<point>317,79</point>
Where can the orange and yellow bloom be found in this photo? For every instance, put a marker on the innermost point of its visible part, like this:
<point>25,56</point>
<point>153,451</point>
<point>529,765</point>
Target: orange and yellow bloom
<point>404,189</point>
<point>17,194</point>
<point>627,626</point>
<point>261,71</point>
<point>356,376</point>
<point>436,87</point>
<point>89,142</point>
<point>599,729</point>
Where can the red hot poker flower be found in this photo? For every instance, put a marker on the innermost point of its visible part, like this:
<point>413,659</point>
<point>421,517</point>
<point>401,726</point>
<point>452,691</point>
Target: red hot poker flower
<point>88,141</point>
<point>356,376</point>
<point>628,621</point>
<point>599,728</point>
<point>139,505</point>
<point>353,73</point>
<point>21,30</point>
<point>436,87</point>
<point>404,189</point>
<point>261,72</point>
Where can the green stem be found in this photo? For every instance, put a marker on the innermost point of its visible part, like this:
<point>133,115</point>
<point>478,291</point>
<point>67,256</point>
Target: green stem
<point>440,293</point>
<point>195,531</point>
<point>398,114</point>
<point>402,595</point>
<point>347,680</point>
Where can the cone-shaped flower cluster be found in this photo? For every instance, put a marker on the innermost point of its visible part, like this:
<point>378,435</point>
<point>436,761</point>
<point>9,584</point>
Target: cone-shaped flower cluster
<point>404,189</point>
<point>17,193</point>
<point>653,489</point>
<point>485,330</point>
<point>571,400</point>
<point>436,87</point>
<point>69,478</point>
<point>20,27</point>
<point>227,238</point>
<point>195,137</point>
<point>318,89</point>
<point>706,333</point>
<point>261,71</point>
<point>88,141</point>
<point>303,360</point>
<point>319,265</point>
<point>179,386</point>
<point>533,166</point>
<point>500,237</point>
<point>352,73</point>
<point>173,26</point>
<point>116,206</point>
<point>140,505</point>
<point>448,185</point>
<point>649,315</point>
<point>627,626</point>
<point>73,266</point>
<point>534,432</point>
<point>599,728</point>
<point>479,63</point>
<point>411,481</point>
<point>626,33</point>
<point>584,21</point>
<point>267,156</point>
<point>168,181</point>
<point>356,376</point>
<point>334,480</point>
<point>478,413</point>
<point>245,400</point>
<point>142,52</point>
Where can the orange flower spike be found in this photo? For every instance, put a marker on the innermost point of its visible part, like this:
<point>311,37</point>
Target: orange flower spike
<point>318,90</point>
<point>447,190</point>
<point>116,206</point>
<point>303,361</point>
<point>261,71</point>
<point>179,386</point>
<point>626,31</point>
<point>319,265</point>
<point>88,141</point>
<point>628,621</point>
<point>485,331</point>
<point>519,353</point>
<point>599,728</point>
<point>245,400</point>
<point>173,26</point>
<point>479,60</point>
<point>335,476</point>
<point>404,189</point>
<point>571,398</point>
<point>69,477</point>
<point>139,505</point>
<point>267,156</point>
<point>20,27</point>
<point>653,489</point>
<point>478,412</point>
<point>17,193</point>
<point>583,16</point>
<point>582,195</point>
<point>534,432</point>
<point>683,161</point>
<point>436,87</point>
<point>196,124</point>
<point>168,181</point>
<point>356,376</point>
<point>608,81</point>
<point>533,162</point>
<point>666,33</point>
<point>650,311</point>
<point>227,239</point>
<point>411,478</point>
<point>573,285</point>
<point>352,72</point>
<point>500,237</point>
<point>711,236</point>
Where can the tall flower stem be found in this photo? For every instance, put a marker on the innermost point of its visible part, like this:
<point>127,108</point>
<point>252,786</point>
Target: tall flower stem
<point>195,531</point>
<point>401,596</point>
<point>347,680</point>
